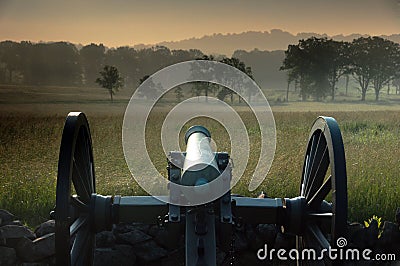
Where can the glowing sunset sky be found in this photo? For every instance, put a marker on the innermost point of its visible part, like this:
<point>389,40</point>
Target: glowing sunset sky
<point>129,22</point>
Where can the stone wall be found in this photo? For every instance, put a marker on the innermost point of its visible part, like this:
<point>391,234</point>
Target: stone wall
<point>138,244</point>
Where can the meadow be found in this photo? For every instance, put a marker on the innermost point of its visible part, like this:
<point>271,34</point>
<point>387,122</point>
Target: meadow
<point>30,135</point>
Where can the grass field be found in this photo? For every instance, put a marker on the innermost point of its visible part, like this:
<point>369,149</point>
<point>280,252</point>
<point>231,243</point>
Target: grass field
<point>31,122</point>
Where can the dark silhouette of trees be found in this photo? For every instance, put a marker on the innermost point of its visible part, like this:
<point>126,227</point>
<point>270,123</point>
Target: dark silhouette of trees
<point>92,59</point>
<point>396,83</point>
<point>236,63</point>
<point>222,92</point>
<point>11,58</point>
<point>125,59</point>
<point>317,63</point>
<point>375,62</point>
<point>314,65</point>
<point>110,80</point>
<point>296,62</point>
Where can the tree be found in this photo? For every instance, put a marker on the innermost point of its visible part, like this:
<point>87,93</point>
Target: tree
<point>240,65</point>
<point>110,80</point>
<point>374,61</point>
<point>317,63</point>
<point>125,59</point>
<point>396,83</point>
<point>202,86</point>
<point>11,58</point>
<point>92,58</point>
<point>386,55</point>
<point>297,65</point>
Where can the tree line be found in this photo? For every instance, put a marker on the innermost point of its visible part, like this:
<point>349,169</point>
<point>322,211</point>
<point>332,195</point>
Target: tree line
<point>316,64</point>
<point>63,64</point>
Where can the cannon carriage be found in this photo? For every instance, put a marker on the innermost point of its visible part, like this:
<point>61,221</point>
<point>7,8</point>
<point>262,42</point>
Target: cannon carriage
<point>315,222</point>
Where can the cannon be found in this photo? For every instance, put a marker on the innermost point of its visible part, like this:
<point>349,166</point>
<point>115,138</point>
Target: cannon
<point>315,221</point>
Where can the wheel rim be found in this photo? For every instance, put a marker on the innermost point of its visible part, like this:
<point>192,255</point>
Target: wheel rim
<point>74,233</point>
<point>324,176</point>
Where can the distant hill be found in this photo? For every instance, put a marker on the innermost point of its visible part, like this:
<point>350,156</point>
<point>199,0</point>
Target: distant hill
<point>275,39</point>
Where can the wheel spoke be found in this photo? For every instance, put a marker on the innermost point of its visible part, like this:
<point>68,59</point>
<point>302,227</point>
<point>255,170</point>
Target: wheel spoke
<point>80,185</point>
<point>75,202</point>
<point>321,194</point>
<point>77,224</point>
<point>87,158</point>
<point>320,216</point>
<point>316,233</point>
<point>309,161</point>
<point>303,184</point>
<point>318,173</point>
<point>78,251</point>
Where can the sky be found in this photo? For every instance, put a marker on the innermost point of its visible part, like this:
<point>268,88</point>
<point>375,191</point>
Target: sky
<point>130,22</point>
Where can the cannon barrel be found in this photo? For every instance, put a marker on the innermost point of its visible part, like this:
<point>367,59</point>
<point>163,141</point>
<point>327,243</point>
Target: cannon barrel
<point>200,166</point>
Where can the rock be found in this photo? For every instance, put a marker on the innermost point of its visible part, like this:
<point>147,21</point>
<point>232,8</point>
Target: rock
<point>14,222</point>
<point>122,228</point>
<point>363,237</point>
<point>45,228</point>
<point>6,216</point>
<point>174,258</point>
<point>125,227</point>
<point>45,262</point>
<point>16,231</point>
<point>372,233</point>
<point>37,250</point>
<point>240,241</point>
<point>105,239</point>
<point>149,251</point>
<point>45,246</point>
<point>397,216</point>
<point>132,237</point>
<point>390,237</point>
<point>253,240</point>
<point>153,230</point>
<point>267,232</point>
<point>119,255</point>
<point>142,227</point>
<point>354,231</point>
<point>8,256</point>
<point>168,240</point>
<point>24,248</point>
<point>284,241</point>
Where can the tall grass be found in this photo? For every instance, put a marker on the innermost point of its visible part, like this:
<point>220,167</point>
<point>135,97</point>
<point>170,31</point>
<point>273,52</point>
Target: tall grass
<point>29,147</point>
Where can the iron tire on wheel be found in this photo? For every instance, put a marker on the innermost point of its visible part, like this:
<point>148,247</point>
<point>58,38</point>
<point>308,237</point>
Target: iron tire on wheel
<point>324,223</point>
<point>75,238</point>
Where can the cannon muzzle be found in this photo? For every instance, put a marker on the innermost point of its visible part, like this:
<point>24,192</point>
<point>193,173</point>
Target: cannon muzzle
<point>200,166</point>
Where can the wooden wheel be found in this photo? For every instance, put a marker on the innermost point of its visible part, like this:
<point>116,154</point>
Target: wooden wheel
<point>324,187</point>
<point>75,238</point>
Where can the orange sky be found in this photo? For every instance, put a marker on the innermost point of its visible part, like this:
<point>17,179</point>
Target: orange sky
<point>129,22</point>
